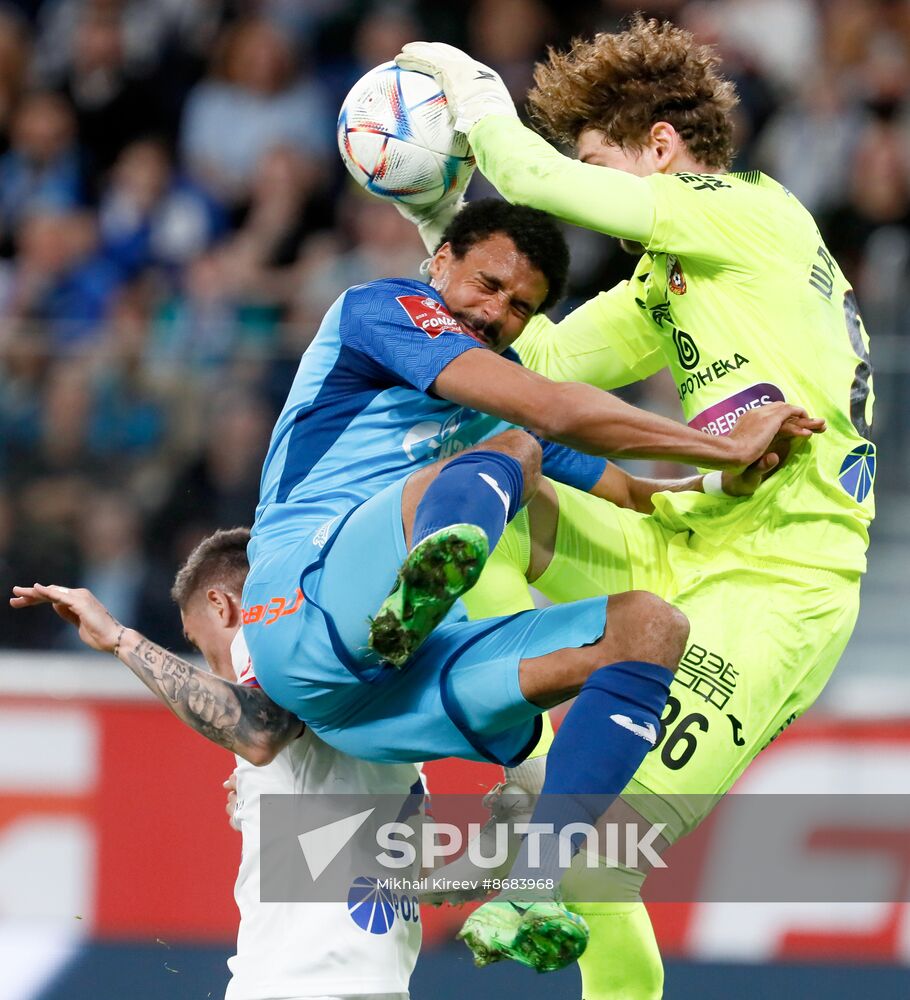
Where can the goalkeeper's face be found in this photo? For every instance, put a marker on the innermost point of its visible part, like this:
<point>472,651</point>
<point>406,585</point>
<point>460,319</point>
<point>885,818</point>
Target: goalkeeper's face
<point>661,151</point>
<point>492,290</point>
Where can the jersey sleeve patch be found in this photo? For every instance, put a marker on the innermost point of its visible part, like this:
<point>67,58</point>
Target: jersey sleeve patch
<point>402,328</point>
<point>429,315</point>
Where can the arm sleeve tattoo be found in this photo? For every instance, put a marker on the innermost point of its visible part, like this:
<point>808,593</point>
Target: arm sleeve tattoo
<point>241,719</point>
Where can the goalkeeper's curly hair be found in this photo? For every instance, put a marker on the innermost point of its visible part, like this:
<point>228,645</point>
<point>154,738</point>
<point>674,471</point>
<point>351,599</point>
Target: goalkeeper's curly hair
<point>623,84</point>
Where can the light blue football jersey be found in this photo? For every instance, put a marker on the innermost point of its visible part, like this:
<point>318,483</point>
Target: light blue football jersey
<point>359,415</point>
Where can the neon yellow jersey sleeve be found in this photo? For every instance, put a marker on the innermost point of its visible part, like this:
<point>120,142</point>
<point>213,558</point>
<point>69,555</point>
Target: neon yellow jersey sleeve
<point>747,307</point>
<point>607,342</point>
<point>527,170</point>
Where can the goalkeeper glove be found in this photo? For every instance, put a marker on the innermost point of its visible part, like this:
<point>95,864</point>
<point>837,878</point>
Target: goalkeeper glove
<point>472,89</point>
<point>433,220</point>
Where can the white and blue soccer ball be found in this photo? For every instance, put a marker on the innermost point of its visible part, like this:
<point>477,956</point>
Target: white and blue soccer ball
<point>396,138</point>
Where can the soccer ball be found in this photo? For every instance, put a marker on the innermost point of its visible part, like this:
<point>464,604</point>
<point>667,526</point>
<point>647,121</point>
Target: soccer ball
<point>396,138</point>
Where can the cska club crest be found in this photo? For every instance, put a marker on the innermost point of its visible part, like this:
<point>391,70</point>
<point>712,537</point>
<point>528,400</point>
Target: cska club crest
<point>676,280</point>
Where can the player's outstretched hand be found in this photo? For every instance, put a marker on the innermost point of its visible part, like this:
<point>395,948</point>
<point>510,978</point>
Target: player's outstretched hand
<point>472,89</point>
<point>97,626</point>
<point>759,432</point>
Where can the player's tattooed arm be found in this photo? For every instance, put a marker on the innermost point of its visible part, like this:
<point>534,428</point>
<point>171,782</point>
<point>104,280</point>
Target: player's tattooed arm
<point>240,718</point>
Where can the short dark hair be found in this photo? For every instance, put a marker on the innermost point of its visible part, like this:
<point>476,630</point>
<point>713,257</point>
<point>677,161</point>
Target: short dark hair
<point>534,233</point>
<point>218,560</point>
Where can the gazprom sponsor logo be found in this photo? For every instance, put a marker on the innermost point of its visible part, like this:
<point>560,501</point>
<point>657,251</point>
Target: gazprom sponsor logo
<point>432,439</point>
<point>721,418</point>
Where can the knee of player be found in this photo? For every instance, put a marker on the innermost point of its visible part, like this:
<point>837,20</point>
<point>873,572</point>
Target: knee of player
<point>525,449</point>
<point>656,631</point>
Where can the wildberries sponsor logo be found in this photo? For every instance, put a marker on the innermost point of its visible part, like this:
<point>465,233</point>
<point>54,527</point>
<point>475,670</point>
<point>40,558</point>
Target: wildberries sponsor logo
<point>721,418</point>
<point>429,315</point>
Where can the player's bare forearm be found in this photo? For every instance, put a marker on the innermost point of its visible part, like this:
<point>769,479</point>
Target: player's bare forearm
<point>599,423</point>
<point>241,719</point>
<point>578,415</point>
<point>636,492</point>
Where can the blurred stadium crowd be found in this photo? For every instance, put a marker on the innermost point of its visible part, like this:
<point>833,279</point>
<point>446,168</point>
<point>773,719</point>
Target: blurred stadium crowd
<point>174,221</point>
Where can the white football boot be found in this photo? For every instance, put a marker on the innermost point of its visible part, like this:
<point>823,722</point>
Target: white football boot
<point>509,804</point>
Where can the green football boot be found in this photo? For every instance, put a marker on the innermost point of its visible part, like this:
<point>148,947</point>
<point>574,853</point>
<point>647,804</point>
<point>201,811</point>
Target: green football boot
<point>543,935</point>
<point>435,574</point>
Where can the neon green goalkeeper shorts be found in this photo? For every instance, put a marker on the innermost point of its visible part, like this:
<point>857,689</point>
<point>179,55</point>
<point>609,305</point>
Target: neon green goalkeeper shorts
<point>765,637</point>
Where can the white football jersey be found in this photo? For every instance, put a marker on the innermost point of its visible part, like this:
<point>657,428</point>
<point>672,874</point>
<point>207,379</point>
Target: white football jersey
<point>314,949</point>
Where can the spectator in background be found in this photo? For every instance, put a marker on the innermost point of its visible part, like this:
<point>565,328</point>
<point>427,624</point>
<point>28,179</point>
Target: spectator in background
<point>808,144</point>
<point>151,216</point>
<point>289,200</point>
<point>253,101</point>
<point>510,35</point>
<point>27,540</point>
<point>111,560</point>
<point>24,364</point>
<point>50,473</point>
<point>146,28</point>
<point>371,241</point>
<point>861,35</point>
<point>220,486</point>
<point>878,199</point>
<point>60,281</point>
<point>14,56</point>
<point>113,105</point>
<point>376,38</point>
<point>204,323</point>
<point>41,171</point>
<point>57,447</point>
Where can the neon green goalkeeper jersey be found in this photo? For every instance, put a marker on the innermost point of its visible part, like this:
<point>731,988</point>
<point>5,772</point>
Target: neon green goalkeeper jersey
<point>737,295</point>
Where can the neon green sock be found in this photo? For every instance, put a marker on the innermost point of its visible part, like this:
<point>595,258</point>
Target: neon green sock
<point>622,961</point>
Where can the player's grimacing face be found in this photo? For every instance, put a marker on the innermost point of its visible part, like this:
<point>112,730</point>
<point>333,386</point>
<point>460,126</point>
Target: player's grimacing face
<point>493,290</point>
